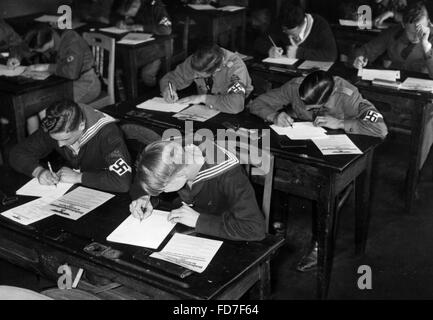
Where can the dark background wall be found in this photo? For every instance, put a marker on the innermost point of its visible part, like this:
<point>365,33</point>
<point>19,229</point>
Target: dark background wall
<point>14,8</point>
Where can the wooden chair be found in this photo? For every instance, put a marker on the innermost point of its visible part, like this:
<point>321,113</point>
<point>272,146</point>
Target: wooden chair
<point>102,47</point>
<point>181,30</point>
<point>260,170</point>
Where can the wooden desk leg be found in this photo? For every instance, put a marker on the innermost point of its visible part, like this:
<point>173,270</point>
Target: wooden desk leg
<point>326,207</point>
<point>418,117</point>
<point>130,73</point>
<point>168,50</point>
<point>20,119</point>
<point>362,206</point>
<point>265,280</point>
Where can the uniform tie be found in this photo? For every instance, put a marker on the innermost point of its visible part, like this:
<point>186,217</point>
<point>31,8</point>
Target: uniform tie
<point>209,84</point>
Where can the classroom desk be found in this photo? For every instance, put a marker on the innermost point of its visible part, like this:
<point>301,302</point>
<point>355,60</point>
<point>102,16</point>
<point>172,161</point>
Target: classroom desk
<point>45,245</point>
<point>303,172</point>
<point>21,98</point>
<point>133,57</point>
<point>403,111</point>
<point>219,22</point>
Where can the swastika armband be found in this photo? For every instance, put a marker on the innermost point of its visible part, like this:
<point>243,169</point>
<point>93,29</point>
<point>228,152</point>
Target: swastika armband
<point>237,86</point>
<point>120,167</point>
<point>165,22</point>
<point>372,116</point>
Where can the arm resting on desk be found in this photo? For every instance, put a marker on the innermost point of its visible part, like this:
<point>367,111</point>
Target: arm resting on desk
<point>181,77</point>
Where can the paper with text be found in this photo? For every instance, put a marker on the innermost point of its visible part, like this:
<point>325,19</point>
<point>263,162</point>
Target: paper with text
<point>35,189</point>
<point>159,104</point>
<point>149,233</point>
<point>372,74</point>
<point>197,112</point>
<point>114,30</point>
<point>30,212</point>
<point>416,84</point>
<point>336,144</point>
<point>282,60</point>
<point>301,131</point>
<point>321,65</point>
<point>190,252</point>
<point>78,202</point>
<point>136,38</point>
<point>9,72</point>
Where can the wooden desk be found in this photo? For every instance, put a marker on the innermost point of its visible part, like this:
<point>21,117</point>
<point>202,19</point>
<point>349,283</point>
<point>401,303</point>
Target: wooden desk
<point>403,111</point>
<point>302,172</point>
<point>219,22</point>
<point>45,245</point>
<point>132,57</point>
<point>21,98</point>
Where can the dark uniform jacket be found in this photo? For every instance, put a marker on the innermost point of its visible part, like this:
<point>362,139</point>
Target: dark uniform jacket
<point>359,115</point>
<point>231,84</point>
<point>102,158</point>
<point>152,15</point>
<point>223,196</point>
<point>10,40</point>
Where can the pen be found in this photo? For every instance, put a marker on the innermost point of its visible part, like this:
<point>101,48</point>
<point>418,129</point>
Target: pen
<point>273,43</point>
<point>170,87</point>
<point>51,170</point>
<point>188,205</point>
<point>145,208</point>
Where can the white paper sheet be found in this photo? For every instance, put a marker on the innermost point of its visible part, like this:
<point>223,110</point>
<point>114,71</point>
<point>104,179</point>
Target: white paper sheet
<point>5,71</point>
<point>282,60</point>
<point>197,112</point>
<point>149,233</point>
<point>159,104</point>
<point>417,84</point>
<point>321,65</point>
<point>48,18</point>
<point>336,144</point>
<point>372,74</point>
<point>35,189</point>
<point>114,30</point>
<point>202,7</point>
<point>301,131</point>
<point>230,8</point>
<point>36,75</point>
<point>30,212</point>
<point>190,252</point>
<point>136,38</point>
<point>78,202</point>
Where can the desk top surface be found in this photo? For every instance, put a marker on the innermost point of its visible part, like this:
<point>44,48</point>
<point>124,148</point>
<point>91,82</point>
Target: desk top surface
<point>231,261</point>
<point>20,85</point>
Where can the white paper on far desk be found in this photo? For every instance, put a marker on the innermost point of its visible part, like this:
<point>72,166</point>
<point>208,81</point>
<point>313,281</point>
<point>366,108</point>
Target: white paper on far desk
<point>136,38</point>
<point>321,65</point>
<point>336,144</point>
<point>114,30</point>
<point>202,7</point>
<point>230,8</point>
<point>197,112</point>
<point>159,104</point>
<point>30,212</point>
<point>9,72</point>
<point>36,75</point>
<point>149,233</point>
<point>301,131</point>
<point>35,189</point>
<point>371,74</point>
<point>417,84</point>
<point>190,252</point>
<point>78,202</point>
<point>48,18</point>
<point>282,60</point>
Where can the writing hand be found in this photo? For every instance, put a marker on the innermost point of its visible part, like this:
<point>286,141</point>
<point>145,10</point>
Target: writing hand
<point>184,215</point>
<point>275,52</point>
<point>167,96</point>
<point>68,175</point>
<point>360,62</point>
<point>283,120</point>
<point>141,208</point>
<point>47,178</point>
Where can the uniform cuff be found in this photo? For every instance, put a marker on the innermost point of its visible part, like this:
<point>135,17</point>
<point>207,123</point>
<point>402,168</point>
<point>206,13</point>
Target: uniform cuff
<point>211,101</point>
<point>207,224</point>
<point>350,126</point>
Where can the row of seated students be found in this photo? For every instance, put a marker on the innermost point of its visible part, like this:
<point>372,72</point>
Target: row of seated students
<point>223,198</point>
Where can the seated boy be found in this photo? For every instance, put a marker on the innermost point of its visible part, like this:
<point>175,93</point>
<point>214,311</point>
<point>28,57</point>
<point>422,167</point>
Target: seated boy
<point>87,139</point>
<point>217,197</point>
<point>222,79</point>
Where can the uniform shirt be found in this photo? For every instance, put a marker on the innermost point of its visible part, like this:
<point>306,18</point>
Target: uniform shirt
<point>224,197</point>
<point>102,158</point>
<point>152,15</point>
<point>359,115</point>
<point>231,84</point>
<point>10,40</point>
<point>403,54</point>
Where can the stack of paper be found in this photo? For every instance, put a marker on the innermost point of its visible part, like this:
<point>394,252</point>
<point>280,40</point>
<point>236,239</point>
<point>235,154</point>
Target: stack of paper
<point>190,252</point>
<point>159,104</point>
<point>136,38</point>
<point>336,145</point>
<point>114,30</point>
<point>78,202</point>
<point>35,189</point>
<point>202,7</point>
<point>9,72</point>
<point>416,84</point>
<point>197,112</point>
<point>230,8</point>
<point>348,23</point>
<point>373,74</point>
<point>321,65</point>
<point>301,131</point>
<point>282,60</point>
<point>149,233</point>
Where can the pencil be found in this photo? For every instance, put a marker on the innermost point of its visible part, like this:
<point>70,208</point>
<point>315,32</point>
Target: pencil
<point>145,208</point>
<point>273,43</point>
<point>51,170</point>
<point>170,87</point>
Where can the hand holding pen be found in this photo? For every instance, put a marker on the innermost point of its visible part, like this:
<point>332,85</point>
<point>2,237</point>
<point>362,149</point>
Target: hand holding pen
<point>170,94</point>
<point>141,208</point>
<point>274,51</point>
<point>46,177</point>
